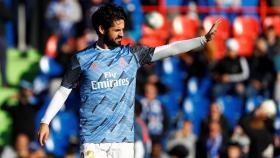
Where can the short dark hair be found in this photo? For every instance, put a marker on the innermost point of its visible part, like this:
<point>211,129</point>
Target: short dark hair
<point>106,15</point>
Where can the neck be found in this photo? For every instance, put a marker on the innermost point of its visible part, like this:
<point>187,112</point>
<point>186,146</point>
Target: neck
<point>100,43</point>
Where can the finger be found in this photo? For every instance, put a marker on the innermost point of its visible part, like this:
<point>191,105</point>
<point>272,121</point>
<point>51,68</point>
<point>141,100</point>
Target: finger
<point>40,138</point>
<point>43,138</point>
<point>46,137</point>
<point>216,24</point>
<point>218,21</point>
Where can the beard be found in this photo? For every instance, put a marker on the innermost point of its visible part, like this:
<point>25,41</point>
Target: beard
<point>112,43</point>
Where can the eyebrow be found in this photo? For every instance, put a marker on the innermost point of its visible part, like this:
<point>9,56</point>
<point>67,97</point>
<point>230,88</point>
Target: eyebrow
<point>117,29</point>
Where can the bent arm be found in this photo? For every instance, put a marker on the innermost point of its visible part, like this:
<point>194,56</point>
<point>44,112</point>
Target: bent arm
<point>178,47</point>
<point>243,75</point>
<point>56,103</point>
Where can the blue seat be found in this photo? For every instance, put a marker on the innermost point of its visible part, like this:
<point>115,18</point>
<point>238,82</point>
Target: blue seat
<point>198,86</point>
<point>195,108</point>
<point>61,131</point>
<point>192,86</point>
<point>50,67</point>
<point>231,107</point>
<point>170,101</point>
<point>253,102</point>
<point>171,74</point>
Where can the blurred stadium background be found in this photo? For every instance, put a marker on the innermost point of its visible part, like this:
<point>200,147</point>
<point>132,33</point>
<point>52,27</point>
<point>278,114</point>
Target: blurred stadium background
<point>196,97</point>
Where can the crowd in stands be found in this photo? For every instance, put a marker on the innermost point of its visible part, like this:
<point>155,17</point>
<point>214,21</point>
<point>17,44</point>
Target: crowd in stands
<point>220,100</point>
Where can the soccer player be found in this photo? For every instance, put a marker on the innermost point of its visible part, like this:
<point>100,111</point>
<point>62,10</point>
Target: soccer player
<point>106,73</point>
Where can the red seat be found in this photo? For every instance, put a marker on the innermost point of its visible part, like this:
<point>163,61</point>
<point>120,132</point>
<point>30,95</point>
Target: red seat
<point>246,46</point>
<point>152,41</point>
<point>161,32</point>
<point>220,48</point>
<point>248,26</point>
<point>274,21</point>
<point>153,37</point>
<point>223,29</point>
<point>184,27</point>
<point>221,36</point>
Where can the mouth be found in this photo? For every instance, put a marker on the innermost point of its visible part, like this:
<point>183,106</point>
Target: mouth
<point>118,40</point>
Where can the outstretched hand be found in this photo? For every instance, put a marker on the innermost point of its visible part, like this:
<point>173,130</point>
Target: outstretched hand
<point>211,33</point>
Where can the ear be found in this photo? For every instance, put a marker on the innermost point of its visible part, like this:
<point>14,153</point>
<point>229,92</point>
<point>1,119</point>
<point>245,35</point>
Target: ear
<point>101,29</point>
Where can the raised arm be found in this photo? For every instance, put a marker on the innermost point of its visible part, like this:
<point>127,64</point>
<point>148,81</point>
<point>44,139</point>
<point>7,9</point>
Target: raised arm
<point>184,45</point>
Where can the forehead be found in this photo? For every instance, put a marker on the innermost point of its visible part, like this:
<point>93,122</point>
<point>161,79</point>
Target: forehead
<point>118,24</point>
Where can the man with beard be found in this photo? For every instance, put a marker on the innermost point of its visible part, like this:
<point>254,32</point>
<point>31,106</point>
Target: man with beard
<point>106,72</point>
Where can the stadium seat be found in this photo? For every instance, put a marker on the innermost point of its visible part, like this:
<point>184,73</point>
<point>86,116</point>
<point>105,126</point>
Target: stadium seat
<point>224,27</point>
<point>155,36</point>
<point>253,102</point>
<point>161,31</point>
<point>220,48</point>
<point>152,41</point>
<point>274,21</point>
<point>246,26</point>
<point>192,86</point>
<point>61,131</point>
<point>231,107</point>
<point>184,27</point>
<point>170,101</point>
<point>50,67</point>
<point>221,35</point>
<point>198,87</point>
<point>196,108</point>
<point>246,46</point>
<point>172,76</point>
<point>246,29</point>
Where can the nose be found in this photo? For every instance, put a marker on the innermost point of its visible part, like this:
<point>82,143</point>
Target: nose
<point>121,33</point>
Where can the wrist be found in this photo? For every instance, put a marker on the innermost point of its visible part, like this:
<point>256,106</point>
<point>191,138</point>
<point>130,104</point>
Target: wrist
<point>44,125</point>
<point>204,40</point>
<point>44,122</point>
<point>207,37</point>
